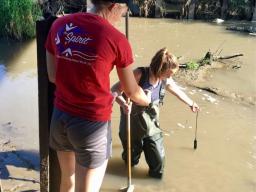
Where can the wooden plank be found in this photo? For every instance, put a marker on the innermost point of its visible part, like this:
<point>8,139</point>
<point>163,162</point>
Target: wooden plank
<point>49,167</point>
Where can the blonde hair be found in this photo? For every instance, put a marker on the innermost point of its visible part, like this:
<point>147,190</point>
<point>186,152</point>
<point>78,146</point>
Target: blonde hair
<point>162,62</point>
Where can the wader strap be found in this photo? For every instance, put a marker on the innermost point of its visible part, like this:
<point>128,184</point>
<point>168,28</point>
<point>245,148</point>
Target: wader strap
<point>162,92</point>
<point>145,77</point>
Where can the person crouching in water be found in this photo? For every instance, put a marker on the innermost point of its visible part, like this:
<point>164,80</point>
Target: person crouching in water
<point>146,134</point>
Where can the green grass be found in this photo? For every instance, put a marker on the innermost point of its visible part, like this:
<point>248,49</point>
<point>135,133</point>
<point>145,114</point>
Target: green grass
<point>18,18</point>
<point>192,65</point>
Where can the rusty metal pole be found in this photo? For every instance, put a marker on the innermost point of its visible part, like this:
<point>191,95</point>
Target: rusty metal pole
<point>49,167</point>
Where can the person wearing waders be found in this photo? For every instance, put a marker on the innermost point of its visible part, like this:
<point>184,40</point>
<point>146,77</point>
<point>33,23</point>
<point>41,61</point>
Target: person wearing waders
<point>82,49</point>
<point>146,134</point>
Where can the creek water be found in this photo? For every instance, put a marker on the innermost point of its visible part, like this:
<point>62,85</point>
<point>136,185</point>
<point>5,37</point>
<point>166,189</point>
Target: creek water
<point>225,159</point>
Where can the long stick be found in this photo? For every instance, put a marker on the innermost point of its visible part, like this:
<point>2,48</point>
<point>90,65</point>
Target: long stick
<point>129,187</point>
<point>195,140</point>
<point>229,57</point>
<point>127,25</point>
<point>128,130</point>
<point>128,120</point>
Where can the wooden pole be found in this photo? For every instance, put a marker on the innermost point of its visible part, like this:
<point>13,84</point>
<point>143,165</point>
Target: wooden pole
<point>49,167</point>
<point>130,187</point>
<point>128,132</point>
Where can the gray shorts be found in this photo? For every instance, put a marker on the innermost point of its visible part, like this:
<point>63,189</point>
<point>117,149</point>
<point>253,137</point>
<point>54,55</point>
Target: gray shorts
<point>90,140</point>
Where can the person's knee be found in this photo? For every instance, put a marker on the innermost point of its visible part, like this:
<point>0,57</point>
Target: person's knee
<point>134,159</point>
<point>69,182</point>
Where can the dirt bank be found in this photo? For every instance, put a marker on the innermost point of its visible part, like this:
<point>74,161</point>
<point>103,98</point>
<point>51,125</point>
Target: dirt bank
<point>199,78</point>
<point>18,168</point>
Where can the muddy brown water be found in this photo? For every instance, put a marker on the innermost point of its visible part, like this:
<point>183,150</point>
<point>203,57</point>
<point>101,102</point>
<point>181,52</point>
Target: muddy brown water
<point>226,156</point>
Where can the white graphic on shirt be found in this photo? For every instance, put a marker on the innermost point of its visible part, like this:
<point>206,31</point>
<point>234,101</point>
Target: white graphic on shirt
<point>67,52</point>
<point>71,44</point>
<point>85,55</point>
<point>77,39</point>
<point>57,39</point>
<point>70,27</point>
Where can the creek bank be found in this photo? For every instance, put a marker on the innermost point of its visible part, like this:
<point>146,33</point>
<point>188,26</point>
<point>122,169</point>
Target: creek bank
<point>18,168</point>
<point>243,27</point>
<point>199,78</point>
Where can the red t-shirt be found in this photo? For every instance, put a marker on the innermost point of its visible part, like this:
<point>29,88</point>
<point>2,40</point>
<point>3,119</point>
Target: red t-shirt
<point>86,48</point>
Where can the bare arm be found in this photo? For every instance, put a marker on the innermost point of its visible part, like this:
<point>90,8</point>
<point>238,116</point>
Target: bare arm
<point>129,85</point>
<point>175,90</point>
<point>50,61</point>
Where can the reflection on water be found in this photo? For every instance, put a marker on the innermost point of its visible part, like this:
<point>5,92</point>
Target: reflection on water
<point>226,156</point>
<point>2,72</point>
<point>18,94</point>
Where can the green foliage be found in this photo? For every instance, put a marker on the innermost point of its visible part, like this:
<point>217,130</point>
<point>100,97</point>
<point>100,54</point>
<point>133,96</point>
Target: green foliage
<point>208,9</point>
<point>241,8</point>
<point>146,7</point>
<point>192,65</point>
<point>18,18</point>
<point>237,9</point>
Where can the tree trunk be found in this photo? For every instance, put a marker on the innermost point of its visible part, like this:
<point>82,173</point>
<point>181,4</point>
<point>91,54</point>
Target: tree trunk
<point>159,7</point>
<point>191,11</point>
<point>254,12</point>
<point>224,8</point>
<point>188,10</point>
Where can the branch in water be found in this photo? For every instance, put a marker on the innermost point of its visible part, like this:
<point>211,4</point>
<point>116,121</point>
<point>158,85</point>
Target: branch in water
<point>227,57</point>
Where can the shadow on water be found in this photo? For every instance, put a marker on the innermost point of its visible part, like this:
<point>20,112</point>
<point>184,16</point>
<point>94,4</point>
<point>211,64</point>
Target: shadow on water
<point>187,149</point>
<point>11,50</point>
<point>19,159</point>
<point>116,166</point>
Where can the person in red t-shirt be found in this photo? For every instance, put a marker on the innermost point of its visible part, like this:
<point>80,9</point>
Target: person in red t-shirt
<point>82,49</point>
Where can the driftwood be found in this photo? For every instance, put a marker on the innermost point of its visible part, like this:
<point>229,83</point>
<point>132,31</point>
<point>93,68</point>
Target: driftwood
<point>227,57</point>
<point>210,57</point>
<point>208,89</point>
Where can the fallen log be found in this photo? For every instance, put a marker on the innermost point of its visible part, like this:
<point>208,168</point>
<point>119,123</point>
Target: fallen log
<point>227,57</point>
<point>208,89</point>
<point>207,60</point>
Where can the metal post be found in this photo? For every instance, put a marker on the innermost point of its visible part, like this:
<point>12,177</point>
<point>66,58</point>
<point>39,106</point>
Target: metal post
<point>49,167</point>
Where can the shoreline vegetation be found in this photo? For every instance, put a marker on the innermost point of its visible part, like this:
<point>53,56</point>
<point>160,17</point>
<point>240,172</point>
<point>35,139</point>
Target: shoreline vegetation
<point>18,17</point>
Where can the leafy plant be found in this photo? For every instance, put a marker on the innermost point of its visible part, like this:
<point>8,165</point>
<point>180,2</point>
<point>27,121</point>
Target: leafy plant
<point>241,8</point>
<point>192,65</point>
<point>18,18</point>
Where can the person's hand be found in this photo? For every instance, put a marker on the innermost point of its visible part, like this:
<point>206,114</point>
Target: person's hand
<point>194,107</point>
<point>127,107</point>
<point>114,95</point>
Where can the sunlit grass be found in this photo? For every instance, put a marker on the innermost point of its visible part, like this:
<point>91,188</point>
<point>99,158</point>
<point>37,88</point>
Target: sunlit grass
<point>18,18</point>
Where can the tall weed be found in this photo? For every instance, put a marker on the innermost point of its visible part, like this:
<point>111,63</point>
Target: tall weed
<point>18,18</point>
